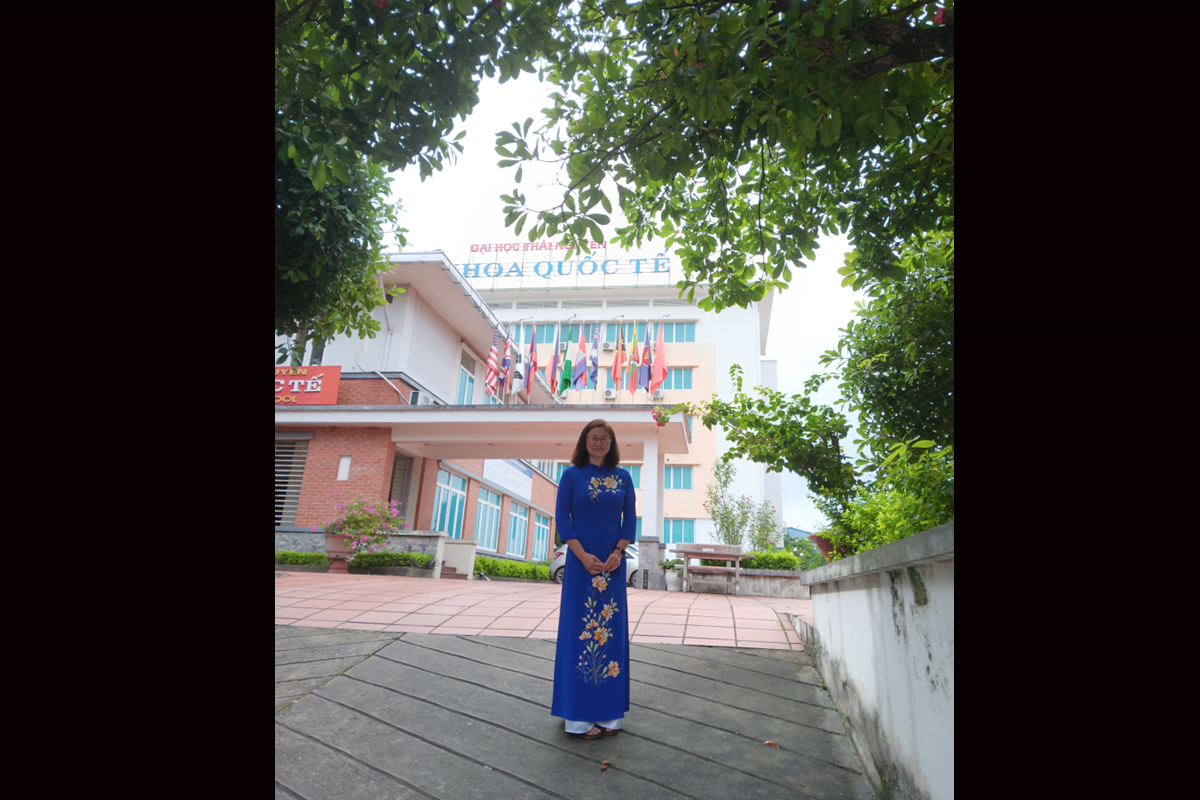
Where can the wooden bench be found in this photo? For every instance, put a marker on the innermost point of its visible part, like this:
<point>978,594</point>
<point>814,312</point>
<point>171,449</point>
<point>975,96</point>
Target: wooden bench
<point>717,552</point>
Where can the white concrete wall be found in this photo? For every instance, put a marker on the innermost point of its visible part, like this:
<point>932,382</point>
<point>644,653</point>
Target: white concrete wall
<point>883,640</point>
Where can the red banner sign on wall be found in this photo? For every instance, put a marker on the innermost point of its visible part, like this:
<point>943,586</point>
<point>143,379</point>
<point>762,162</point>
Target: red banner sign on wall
<point>307,386</point>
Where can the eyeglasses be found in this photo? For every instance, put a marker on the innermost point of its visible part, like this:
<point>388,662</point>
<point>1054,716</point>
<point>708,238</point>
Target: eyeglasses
<point>598,440</point>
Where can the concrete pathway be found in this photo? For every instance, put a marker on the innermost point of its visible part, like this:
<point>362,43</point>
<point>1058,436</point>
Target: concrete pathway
<point>373,714</point>
<point>525,610</point>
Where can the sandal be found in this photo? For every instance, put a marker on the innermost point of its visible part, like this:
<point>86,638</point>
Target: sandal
<point>609,731</point>
<point>595,733</point>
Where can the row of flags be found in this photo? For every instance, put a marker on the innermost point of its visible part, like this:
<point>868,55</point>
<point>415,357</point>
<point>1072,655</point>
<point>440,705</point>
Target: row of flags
<point>510,371</point>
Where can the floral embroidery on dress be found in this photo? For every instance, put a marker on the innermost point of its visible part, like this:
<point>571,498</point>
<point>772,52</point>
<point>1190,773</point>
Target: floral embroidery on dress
<point>597,485</point>
<point>591,663</point>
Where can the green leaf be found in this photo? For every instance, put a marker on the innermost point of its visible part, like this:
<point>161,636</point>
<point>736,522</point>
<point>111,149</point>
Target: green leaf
<point>318,176</point>
<point>465,7</point>
<point>517,177</point>
<point>924,443</point>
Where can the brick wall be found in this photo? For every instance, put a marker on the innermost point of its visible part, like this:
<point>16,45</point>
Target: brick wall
<point>372,392</point>
<point>423,520</point>
<point>468,531</point>
<point>371,458</point>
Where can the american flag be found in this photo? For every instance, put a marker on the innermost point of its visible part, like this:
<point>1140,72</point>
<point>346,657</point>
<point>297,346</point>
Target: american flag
<point>492,365</point>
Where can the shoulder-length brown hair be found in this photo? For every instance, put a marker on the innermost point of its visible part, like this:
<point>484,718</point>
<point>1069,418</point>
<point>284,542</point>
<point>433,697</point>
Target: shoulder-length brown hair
<point>580,459</point>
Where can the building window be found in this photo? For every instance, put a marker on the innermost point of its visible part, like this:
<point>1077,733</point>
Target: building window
<point>487,520</point>
<point>401,469</point>
<point>679,530</point>
<point>677,478</point>
<point>678,379</point>
<point>634,331</point>
<point>635,472</point>
<point>289,475</point>
<point>466,380</point>
<point>541,537</point>
<point>449,501</point>
<point>679,332</point>
<point>518,526</point>
<point>561,469</point>
<point>570,333</point>
<point>545,333</point>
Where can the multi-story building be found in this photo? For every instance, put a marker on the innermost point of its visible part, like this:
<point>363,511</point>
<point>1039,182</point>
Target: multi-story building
<point>406,415</point>
<point>613,300</point>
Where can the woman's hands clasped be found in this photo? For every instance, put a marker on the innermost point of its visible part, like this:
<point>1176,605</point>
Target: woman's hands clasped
<point>593,565</point>
<point>614,561</point>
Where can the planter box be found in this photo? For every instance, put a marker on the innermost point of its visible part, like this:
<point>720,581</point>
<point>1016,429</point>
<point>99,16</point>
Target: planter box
<point>756,583</point>
<point>515,580</point>
<point>408,572</point>
<point>302,568</point>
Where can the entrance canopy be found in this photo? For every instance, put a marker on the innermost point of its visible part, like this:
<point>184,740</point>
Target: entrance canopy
<point>529,432</point>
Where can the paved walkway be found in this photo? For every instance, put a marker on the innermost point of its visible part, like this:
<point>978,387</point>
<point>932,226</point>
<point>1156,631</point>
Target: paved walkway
<point>525,610</point>
<point>370,714</point>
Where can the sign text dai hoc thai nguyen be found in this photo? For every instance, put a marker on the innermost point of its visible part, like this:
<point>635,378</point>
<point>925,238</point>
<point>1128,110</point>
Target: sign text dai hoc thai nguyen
<point>539,265</point>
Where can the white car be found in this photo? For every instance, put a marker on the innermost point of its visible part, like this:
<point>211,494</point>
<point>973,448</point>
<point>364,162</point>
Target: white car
<point>559,565</point>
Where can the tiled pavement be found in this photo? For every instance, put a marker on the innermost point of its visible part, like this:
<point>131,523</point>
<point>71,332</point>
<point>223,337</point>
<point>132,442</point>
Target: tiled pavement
<point>525,610</point>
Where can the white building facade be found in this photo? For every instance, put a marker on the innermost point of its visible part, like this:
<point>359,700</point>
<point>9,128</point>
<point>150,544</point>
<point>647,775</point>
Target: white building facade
<point>537,294</point>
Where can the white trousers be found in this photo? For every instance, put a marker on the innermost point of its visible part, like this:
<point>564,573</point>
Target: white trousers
<point>584,727</point>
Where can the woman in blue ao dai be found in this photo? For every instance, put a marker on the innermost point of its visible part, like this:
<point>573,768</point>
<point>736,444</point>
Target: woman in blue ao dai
<point>596,516</point>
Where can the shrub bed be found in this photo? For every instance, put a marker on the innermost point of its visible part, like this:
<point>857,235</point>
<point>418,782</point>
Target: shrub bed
<point>504,568</point>
<point>773,559</point>
<point>363,562</point>
<point>293,558</point>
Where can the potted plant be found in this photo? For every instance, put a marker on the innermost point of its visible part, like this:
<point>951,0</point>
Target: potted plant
<point>674,581</point>
<point>362,525</point>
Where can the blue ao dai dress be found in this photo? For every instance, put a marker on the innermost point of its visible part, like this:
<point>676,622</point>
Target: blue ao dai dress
<point>591,665</point>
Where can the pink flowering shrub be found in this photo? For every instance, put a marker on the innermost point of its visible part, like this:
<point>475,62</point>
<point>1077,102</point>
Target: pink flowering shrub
<point>365,524</point>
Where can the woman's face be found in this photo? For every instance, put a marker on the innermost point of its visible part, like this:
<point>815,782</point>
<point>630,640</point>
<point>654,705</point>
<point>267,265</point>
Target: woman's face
<point>598,443</point>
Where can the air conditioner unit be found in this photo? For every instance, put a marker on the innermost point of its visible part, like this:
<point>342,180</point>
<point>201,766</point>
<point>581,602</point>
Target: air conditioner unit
<point>563,345</point>
<point>658,394</point>
<point>607,346</point>
<point>422,399</point>
<point>610,394</point>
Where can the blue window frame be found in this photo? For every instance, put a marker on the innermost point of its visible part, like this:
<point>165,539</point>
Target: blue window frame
<point>545,333</point>
<point>449,501</point>
<point>518,527</point>
<point>679,332</point>
<point>677,478</point>
<point>487,520</point>
<point>541,537</point>
<point>570,333</point>
<point>678,379</point>
<point>679,530</point>
<point>635,472</point>
<point>466,387</point>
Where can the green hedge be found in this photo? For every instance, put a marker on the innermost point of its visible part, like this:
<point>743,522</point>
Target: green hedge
<point>367,561</point>
<point>774,559</point>
<point>291,557</point>
<point>504,568</point>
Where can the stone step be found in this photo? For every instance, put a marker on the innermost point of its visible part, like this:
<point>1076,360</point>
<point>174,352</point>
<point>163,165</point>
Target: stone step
<point>451,572</point>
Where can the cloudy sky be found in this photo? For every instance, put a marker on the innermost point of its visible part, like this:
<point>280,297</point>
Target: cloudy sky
<point>461,204</point>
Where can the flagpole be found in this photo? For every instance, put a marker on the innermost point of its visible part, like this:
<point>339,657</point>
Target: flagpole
<point>658,338</point>
<point>616,389</point>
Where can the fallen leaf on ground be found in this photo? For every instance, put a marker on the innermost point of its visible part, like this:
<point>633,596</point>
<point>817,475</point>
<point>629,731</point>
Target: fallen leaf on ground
<point>604,765</point>
<point>771,744</point>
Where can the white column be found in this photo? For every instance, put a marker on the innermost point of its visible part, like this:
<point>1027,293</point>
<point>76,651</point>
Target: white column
<point>652,488</point>
<point>649,553</point>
